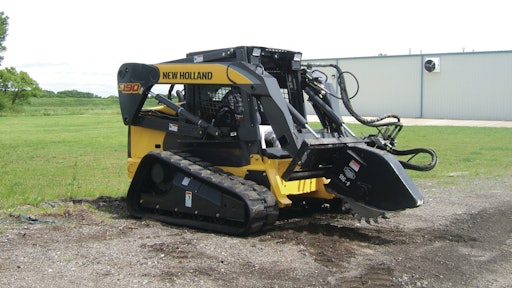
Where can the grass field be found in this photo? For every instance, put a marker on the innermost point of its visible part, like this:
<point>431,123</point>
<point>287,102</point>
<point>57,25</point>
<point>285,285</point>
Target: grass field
<point>71,106</point>
<point>60,148</point>
<point>47,158</point>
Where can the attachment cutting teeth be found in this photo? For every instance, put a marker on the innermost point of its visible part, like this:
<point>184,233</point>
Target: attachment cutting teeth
<point>367,219</point>
<point>361,211</point>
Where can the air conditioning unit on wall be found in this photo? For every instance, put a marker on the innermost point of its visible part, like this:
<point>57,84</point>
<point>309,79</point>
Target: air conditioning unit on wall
<point>432,64</point>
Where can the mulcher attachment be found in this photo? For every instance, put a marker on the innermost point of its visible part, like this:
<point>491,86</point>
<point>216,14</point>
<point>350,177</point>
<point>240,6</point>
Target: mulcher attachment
<point>371,181</point>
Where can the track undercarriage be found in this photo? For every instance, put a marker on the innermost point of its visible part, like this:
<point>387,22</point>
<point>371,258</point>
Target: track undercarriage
<point>170,188</point>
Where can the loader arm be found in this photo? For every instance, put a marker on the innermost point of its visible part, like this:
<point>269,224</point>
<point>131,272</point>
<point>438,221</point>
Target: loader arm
<point>136,80</point>
<point>277,111</point>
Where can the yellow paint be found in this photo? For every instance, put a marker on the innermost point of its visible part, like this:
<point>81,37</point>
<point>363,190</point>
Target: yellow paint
<point>142,141</point>
<point>164,109</point>
<point>274,168</point>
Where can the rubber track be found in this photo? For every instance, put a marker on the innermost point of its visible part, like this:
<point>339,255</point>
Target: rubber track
<point>260,201</point>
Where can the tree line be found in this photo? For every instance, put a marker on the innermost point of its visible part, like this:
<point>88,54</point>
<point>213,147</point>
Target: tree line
<point>17,87</point>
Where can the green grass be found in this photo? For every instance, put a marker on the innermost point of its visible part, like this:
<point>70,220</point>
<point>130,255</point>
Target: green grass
<point>60,148</point>
<point>48,158</point>
<point>71,106</point>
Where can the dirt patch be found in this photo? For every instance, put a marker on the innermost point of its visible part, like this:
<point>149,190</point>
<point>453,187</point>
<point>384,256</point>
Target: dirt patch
<point>461,237</point>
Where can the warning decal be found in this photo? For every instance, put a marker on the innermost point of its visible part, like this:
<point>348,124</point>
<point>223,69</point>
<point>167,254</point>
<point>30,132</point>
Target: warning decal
<point>354,165</point>
<point>188,199</point>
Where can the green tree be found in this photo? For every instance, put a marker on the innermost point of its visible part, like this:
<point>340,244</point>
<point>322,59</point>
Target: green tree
<point>4,25</point>
<point>76,94</point>
<point>47,94</point>
<point>17,87</point>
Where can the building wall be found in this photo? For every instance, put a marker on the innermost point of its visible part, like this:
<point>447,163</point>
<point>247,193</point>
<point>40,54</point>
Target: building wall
<point>470,86</point>
<point>475,85</point>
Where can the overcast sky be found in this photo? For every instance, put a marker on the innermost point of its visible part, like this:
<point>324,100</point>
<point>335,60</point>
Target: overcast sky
<point>66,45</point>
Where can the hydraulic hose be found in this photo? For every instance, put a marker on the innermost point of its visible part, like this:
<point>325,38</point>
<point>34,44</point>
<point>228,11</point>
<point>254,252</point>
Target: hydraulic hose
<point>392,128</point>
<point>373,122</point>
<point>414,152</point>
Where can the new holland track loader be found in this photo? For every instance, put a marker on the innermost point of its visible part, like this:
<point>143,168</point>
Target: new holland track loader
<point>236,147</point>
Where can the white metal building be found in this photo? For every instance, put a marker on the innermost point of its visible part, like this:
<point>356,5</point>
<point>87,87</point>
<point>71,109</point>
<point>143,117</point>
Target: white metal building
<point>475,85</point>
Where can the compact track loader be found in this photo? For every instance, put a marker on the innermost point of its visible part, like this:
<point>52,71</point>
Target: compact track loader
<point>232,146</point>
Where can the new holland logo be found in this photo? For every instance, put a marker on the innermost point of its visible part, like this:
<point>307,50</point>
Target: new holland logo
<point>187,75</point>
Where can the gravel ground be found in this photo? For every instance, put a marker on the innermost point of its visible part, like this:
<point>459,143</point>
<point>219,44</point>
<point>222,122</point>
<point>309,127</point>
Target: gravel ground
<point>460,237</point>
